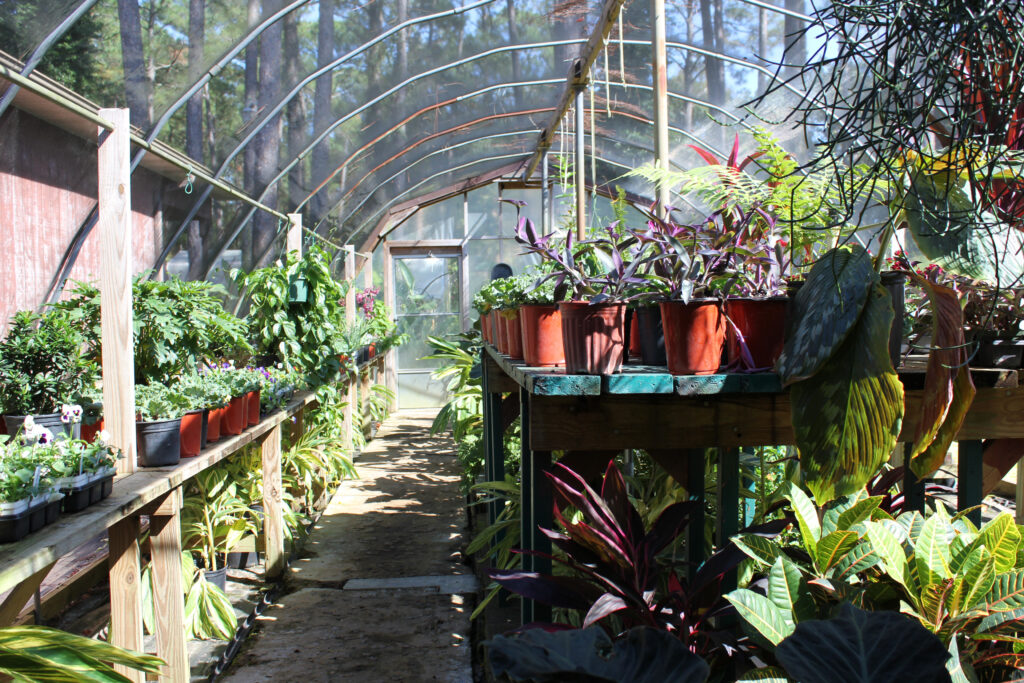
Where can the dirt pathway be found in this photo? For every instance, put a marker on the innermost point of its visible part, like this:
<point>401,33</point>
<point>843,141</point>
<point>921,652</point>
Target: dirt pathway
<point>380,593</point>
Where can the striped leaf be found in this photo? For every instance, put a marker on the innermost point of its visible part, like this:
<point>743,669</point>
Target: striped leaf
<point>769,674</point>
<point>893,557</point>
<point>38,653</point>
<point>788,589</point>
<point>758,548</point>
<point>931,551</point>
<point>1002,538</point>
<point>825,311</point>
<point>1007,592</point>
<point>834,548</point>
<point>761,614</point>
<point>847,417</point>
<point>979,577</point>
<point>806,517</point>
<point>860,558</point>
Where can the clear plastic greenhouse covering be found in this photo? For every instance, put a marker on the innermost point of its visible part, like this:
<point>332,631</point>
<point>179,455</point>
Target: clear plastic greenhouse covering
<point>345,110</point>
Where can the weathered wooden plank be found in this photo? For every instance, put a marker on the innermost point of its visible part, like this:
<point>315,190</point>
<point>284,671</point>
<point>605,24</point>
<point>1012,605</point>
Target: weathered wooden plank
<point>633,380</point>
<point>168,591</point>
<point>19,597</point>
<point>557,383</point>
<point>131,493</point>
<point>115,230</point>
<point>273,505</point>
<point>709,385</point>
<point>727,420</point>
<point>126,590</point>
<point>498,381</point>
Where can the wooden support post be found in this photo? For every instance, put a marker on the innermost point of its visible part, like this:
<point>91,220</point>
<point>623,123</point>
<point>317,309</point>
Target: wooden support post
<point>659,68</point>
<point>273,503</point>
<point>115,229</point>
<point>16,600</point>
<point>728,493</point>
<point>168,590</point>
<point>695,531</point>
<point>526,507</point>
<point>126,590</point>
<point>294,237</point>
<point>969,478</point>
<point>535,509</point>
<point>350,317</point>
<point>494,443</point>
<point>298,425</point>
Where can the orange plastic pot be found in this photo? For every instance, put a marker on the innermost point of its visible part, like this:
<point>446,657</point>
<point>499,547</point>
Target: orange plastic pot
<point>213,423</point>
<point>514,333</point>
<point>694,336</point>
<point>371,350</point>
<point>485,326</point>
<point>252,407</point>
<point>90,432</point>
<point>762,325</point>
<point>541,328</point>
<point>501,341</point>
<point>191,433</point>
<point>233,421</point>
<point>593,336</point>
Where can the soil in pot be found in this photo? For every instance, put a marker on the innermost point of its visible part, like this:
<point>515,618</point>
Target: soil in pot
<point>191,433</point>
<point>233,420</point>
<point>650,335</point>
<point>159,442</point>
<point>514,332</point>
<point>694,336</point>
<point>541,326</point>
<point>593,336</point>
<point>252,404</point>
<point>762,323</point>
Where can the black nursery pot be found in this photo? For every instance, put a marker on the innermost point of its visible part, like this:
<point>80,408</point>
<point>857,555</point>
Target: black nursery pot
<point>652,335</point>
<point>159,442</point>
<point>894,282</point>
<point>218,577</point>
<point>243,560</point>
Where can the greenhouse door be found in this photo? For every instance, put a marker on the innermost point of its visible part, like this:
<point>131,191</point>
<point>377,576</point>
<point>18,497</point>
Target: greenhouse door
<point>427,304</point>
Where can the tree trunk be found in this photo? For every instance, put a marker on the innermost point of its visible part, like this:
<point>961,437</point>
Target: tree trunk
<point>513,38</point>
<point>796,44</point>
<point>136,85</point>
<point>194,107</point>
<point>252,88</point>
<point>296,111</point>
<point>268,140</point>
<point>322,113</point>
<point>762,48</point>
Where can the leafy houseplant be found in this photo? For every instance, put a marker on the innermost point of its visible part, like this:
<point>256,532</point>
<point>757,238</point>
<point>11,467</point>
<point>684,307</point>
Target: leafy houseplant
<point>43,365</point>
<point>215,516</point>
<point>541,324</point>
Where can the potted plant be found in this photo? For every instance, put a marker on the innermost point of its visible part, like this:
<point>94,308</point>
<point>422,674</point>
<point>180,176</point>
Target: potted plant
<point>597,274</point>
<point>541,324</point>
<point>43,365</point>
<point>214,518</point>
<point>511,293</point>
<point>158,424</point>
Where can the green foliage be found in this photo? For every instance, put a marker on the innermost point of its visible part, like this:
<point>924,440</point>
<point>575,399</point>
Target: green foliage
<point>208,610</point>
<point>155,402</point>
<point>215,515</point>
<point>43,365</point>
<point>39,653</point>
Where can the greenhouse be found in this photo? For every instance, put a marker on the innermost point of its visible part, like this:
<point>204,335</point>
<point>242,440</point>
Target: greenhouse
<point>497,340</point>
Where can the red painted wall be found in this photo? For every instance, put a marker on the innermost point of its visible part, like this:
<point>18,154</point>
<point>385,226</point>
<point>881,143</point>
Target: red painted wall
<point>47,188</point>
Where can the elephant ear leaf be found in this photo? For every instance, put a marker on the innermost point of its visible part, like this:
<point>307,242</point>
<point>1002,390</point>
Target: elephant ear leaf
<point>863,647</point>
<point>948,388</point>
<point>825,311</point>
<point>847,417</point>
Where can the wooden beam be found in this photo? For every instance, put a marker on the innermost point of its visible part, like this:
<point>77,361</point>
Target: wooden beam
<point>390,376</point>
<point>168,590</point>
<point>115,229</point>
<point>273,504</point>
<point>294,237</point>
<point>16,600</point>
<point>578,76</point>
<point>126,590</point>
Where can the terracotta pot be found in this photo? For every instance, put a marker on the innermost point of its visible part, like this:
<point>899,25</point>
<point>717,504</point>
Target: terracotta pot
<point>541,328</point>
<point>694,336</point>
<point>90,432</point>
<point>213,423</point>
<point>651,335</point>
<point>191,433</point>
<point>502,330</point>
<point>252,407</point>
<point>485,326</point>
<point>233,421</point>
<point>593,336</point>
<point>371,350</point>
<point>514,333</point>
<point>762,323</point>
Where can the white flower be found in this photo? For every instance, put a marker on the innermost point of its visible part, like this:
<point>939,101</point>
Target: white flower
<point>28,424</point>
<point>103,437</point>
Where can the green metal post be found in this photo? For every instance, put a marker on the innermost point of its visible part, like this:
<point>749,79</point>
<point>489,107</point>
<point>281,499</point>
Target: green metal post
<point>695,532</point>
<point>728,490</point>
<point>969,478</point>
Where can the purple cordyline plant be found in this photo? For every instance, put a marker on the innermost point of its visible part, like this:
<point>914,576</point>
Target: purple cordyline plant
<point>595,270</point>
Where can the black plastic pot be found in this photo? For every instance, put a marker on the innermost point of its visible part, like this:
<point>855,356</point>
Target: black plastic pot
<point>52,422</point>
<point>894,281</point>
<point>14,527</point>
<point>999,353</point>
<point>206,425</point>
<point>218,577</point>
<point>159,442</point>
<point>652,336</point>
<point>243,560</point>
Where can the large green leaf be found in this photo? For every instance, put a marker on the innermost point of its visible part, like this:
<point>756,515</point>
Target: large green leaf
<point>762,614</point>
<point>847,417</point>
<point>806,517</point>
<point>1007,592</point>
<point>979,577</point>
<point>948,387</point>
<point>788,589</point>
<point>863,647</point>
<point>950,230</point>
<point>931,551</point>
<point>38,653</point>
<point>825,311</point>
<point>644,655</point>
<point>893,557</point>
<point>1002,538</point>
<point>833,548</point>
<point>758,548</point>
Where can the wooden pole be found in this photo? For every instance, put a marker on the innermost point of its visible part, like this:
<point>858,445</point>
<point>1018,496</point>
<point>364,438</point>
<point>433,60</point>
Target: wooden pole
<point>115,229</point>
<point>350,318</point>
<point>580,166</point>
<point>294,236</point>
<point>273,510</point>
<point>126,590</point>
<point>168,590</point>
<point>659,65</point>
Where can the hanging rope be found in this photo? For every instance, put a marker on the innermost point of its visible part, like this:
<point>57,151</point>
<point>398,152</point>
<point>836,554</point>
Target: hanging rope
<point>190,178</point>
<point>593,150</point>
